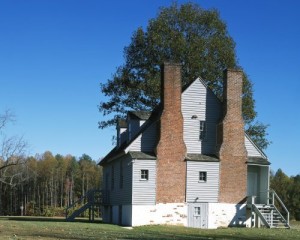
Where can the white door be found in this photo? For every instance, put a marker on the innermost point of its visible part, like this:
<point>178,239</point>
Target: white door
<point>252,184</point>
<point>197,215</point>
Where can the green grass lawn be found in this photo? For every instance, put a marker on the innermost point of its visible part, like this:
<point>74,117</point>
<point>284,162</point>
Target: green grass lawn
<point>54,228</point>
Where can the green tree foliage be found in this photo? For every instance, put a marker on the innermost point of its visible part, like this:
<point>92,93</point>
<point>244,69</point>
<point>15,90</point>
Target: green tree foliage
<point>288,189</point>
<point>186,34</point>
<point>280,182</point>
<point>87,173</point>
<point>258,133</point>
<point>294,195</point>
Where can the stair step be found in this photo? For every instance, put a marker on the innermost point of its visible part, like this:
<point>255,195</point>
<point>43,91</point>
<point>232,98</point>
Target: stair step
<point>271,216</point>
<point>92,200</point>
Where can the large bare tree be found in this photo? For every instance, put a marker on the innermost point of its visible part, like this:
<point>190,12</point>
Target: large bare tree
<point>12,151</point>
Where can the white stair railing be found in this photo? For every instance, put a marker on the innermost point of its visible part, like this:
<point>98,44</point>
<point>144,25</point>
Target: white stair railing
<point>261,209</point>
<point>276,199</point>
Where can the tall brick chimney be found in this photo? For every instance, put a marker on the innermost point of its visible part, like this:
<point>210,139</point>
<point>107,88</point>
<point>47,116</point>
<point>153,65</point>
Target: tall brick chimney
<point>233,155</point>
<point>171,149</point>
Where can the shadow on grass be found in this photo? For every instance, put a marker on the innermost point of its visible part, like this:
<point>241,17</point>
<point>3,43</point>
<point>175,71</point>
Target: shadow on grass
<point>46,219</point>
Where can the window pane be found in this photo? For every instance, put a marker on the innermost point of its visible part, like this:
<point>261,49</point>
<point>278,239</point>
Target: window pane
<point>202,129</point>
<point>144,174</point>
<point>197,211</point>
<point>202,176</point>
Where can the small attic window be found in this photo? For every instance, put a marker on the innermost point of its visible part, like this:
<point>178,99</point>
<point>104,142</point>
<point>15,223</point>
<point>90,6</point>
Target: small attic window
<point>202,130</point>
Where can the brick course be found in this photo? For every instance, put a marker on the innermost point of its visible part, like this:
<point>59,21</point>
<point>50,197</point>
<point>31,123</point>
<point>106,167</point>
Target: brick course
<point>171,149</point>
<point>233,155</point>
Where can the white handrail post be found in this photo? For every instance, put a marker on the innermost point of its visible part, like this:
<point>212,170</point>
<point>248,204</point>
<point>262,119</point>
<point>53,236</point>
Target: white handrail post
<point>253,199</point>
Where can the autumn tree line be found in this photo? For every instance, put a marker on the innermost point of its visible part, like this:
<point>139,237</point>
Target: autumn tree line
<point>44,185</point>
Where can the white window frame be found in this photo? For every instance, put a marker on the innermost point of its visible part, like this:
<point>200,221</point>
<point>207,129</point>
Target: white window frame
<point>202,176</point>
<point>144,175</point>
<point>197,211</point>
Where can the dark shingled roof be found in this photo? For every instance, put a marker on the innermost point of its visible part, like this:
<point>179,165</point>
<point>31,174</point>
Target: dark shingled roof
<point>258,160</point>
<point>201,157</point>
<point>142,155</point>
<point>141,115</point>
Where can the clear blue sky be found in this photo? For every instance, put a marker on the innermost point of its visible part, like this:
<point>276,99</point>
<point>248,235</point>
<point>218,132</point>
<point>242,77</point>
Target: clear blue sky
<point>54,54</point>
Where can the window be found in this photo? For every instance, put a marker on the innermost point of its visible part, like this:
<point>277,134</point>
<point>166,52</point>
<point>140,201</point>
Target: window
<point>121,174</point>
<point>202,176</point>
<point>144,174</point>
<point>202,133</point>
<point>112,178</point>
<point>197,211</point>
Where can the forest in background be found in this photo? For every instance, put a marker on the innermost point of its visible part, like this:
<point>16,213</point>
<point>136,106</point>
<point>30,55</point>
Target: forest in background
<point>45,184</point>
<point>288,189</point>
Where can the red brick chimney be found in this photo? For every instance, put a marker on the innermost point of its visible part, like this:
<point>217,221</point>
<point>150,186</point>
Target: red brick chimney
<point>233,155</point>
<point>171,149</point>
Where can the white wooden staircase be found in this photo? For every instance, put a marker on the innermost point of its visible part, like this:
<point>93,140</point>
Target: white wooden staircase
<point>91,201</point>
<point>268,214</point>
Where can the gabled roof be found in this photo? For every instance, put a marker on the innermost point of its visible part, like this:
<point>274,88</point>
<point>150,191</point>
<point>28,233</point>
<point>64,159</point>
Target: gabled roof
<point>204,84</point>
<point>256,147</point>
<point>123,149</point>
<point>154,116</point>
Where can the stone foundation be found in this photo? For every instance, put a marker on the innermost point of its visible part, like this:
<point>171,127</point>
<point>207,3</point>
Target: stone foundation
<point>227,215</point>
<point>162,213</point>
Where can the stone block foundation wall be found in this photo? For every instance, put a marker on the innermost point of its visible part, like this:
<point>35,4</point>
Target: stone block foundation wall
<point>227,215</point>
<point>162,213</point>
<point>219,215</point>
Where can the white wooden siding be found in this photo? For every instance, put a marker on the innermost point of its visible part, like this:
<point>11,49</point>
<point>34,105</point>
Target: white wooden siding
<point>146,141</point>
<point>118,196</point>
<point>198,100</point>
<point>252,150</point>
<point>135,145</point>
<point>202,191</point>
<point>144,192</point>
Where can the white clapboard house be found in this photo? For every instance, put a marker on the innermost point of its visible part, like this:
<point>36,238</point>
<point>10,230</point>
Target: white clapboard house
<point>189,162</point>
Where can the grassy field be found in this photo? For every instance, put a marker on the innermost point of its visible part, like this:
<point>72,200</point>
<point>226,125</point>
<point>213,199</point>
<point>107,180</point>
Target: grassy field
<point>49,229</point>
